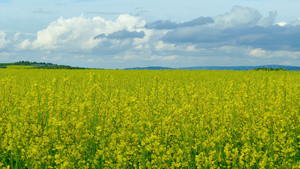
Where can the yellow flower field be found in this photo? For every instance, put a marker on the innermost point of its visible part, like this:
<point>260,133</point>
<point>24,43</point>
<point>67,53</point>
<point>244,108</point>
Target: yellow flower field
<point>149,119</point>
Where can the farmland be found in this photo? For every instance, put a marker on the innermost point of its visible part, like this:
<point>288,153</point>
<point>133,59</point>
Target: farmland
<point>149,119</point>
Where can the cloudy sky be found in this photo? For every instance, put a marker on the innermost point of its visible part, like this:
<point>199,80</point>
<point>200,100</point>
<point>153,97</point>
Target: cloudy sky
<point>120,34</point>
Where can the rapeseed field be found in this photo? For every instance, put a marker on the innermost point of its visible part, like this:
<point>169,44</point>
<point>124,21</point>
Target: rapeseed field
<point>149,119</point>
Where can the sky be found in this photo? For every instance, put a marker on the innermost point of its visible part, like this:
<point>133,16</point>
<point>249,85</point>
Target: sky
<point>121,34</point>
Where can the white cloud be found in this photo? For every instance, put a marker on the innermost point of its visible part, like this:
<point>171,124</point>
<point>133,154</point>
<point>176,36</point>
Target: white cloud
<point>165,46</point>
<point>163,58</point>
<point>130,22</point>
<point>78,32</point>
<point>191,48</point>
<point>139,47</point>
<point>285,54</point>
<point>148,34</point>
<point>265,54</point>
<point>257,52</point>
<point>268,21</point>
<point>24,45</point>
<point>3,41</point>
<point>296,22</point>
<point>16,36</point>
<point>172,57</point>
<point>281,23</point>
<point>238,17</point>
<point>225,30</point>
<point>90,60</point>
<point>90,43</point>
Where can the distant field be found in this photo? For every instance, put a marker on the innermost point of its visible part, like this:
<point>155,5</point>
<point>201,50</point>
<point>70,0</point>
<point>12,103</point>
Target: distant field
<point>149,119</point>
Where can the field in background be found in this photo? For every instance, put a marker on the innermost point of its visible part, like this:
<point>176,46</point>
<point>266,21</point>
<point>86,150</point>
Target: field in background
<point>149,119</point>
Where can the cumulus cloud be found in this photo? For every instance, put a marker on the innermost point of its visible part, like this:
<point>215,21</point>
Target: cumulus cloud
<point>241,27</point>
<point>83,33</point>
<point>296,22</point>
<point>3,40</point>
<point>265,54</point>
<point>163,58</point>
<point>257,52</point>
<point>23,45</point>
<point>238,17</point>
<point>268,21</point>
<point>93,38</point>
<point>161,46</point>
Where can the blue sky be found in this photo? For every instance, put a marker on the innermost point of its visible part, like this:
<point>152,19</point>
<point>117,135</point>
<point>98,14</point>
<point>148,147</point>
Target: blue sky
<point>119,34</point>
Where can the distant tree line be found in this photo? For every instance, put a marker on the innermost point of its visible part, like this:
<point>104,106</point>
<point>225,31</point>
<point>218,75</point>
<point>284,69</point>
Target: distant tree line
<point>58,67</point>
<point>40,65</point>
<point>31,63</point>
<point>270,69</point>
